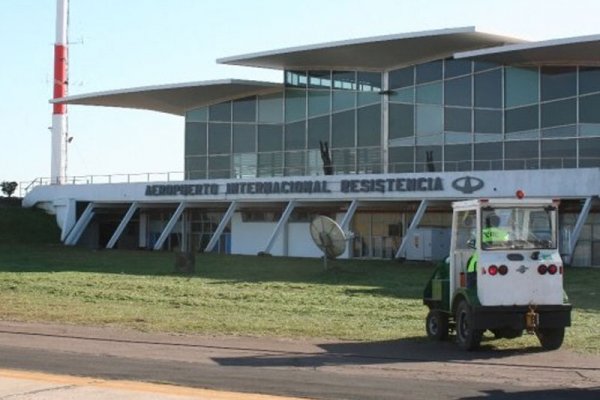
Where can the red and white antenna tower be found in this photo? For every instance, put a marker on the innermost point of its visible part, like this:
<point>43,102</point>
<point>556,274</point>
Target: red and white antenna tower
<point>58,167</point>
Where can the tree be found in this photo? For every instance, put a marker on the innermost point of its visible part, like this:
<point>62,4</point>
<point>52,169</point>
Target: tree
<point>8,188</point>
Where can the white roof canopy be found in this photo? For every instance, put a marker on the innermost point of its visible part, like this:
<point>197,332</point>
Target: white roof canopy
<point>174,99</point>
<point>374,53</point>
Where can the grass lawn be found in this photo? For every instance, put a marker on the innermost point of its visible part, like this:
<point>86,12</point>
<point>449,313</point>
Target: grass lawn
<point>244,295</point>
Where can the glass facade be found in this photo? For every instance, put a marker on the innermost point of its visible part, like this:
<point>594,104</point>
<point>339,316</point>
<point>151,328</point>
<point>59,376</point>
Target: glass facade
<point>444,115</point>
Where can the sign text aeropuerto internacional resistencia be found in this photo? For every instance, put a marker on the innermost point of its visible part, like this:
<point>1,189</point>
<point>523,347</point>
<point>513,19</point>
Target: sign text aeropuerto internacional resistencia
<point>297,187</point>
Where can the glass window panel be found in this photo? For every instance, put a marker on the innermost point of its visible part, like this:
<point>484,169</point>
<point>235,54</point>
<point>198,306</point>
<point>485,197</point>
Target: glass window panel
<point>484,65</point>
<point>220,112</point>
<point>457,157</point>
<point>429,119</point>
<point>457,68</point>
<point>318,130</point>
<point>430,94</point>
<point>295,105</point>
<point>407,141</point>
<point>521,86</point>
<point>195,138</point>
<point>558,113</point>
<point>369,126</point>
<point>314,162</point>
<point>343,100</point>
<point>219,167</point>
<point>558,82</point>
<point>589,153</point>
<point>458,138</point>
<point>244,110</point>
<point>457,92</point>
<point>560,132</point>
<point>295,136</point>
<point>429,158</point>
<point>244,138</point>
<point>589,109</point>
<point>319,79</point>
<point>523,135</point>
<point>270,164</point>
<point>488,137</point>
<point>195,167</point>
<point>401,78</point>
<point>344,80</point>
<point>270,108</point>
<point>428,72</point>
<point>401,159</point>
<point>589,129</point>
<point>219,138</point>
<point>197,115</point>
<point>270,138</point>
<point>521,155</point>
<point>457,119</point>
<point>368,160</point>
<point>295,78</point>
<point>522,119</point>
<point>406,95</point>
<point>244,165</point>
<point>344,161</point>
<point>589,80</point>
<point>402,120</point>
<point>487,156</point>
<point>427,140</point>
<point>369,81</point>
<point>295,163</point>
<point>488,89</point>
<point>488,121</point>
<point>319,102</point>
<point>343,129</point>
<point>367,98</point>
<point>559,154</point>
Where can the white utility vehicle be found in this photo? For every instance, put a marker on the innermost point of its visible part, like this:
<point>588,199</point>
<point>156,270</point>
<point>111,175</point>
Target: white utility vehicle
<point>504,274</point>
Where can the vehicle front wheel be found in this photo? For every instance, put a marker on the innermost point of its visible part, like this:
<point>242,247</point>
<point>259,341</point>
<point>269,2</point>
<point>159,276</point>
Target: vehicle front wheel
<point>551,338</point>
<point>436,325</point>
<point>466,337</point>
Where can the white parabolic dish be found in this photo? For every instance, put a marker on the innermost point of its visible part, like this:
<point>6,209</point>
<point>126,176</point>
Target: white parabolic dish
<point>328,236</point>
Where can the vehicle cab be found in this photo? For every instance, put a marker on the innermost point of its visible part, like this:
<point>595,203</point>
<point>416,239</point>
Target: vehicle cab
<point>504,274</point>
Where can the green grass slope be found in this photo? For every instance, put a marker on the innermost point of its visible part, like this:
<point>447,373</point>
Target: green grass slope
<point>26,225</point>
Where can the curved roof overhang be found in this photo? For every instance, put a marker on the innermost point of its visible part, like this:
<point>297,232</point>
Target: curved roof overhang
<point>583,50</point>
<point>374,53</point>
<point>174,99</point>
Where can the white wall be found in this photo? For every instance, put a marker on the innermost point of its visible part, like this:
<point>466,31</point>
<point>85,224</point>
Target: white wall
<point>300,244</point>
<point>252,237</point>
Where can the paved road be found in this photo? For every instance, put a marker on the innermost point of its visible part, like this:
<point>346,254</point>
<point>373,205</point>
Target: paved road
<point>309,369</point>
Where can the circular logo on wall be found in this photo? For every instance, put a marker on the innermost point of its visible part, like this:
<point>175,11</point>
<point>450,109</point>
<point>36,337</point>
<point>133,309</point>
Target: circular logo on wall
<point>467,184</point>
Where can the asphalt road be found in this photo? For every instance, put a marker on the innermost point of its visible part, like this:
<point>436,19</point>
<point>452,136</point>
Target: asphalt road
<point>310,369</point>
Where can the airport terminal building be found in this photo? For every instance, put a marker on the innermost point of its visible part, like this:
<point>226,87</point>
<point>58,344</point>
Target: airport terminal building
<point>381,134</point>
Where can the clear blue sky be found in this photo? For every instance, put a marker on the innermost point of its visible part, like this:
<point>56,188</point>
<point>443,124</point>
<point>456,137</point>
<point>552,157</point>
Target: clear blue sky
<point>117,44</point>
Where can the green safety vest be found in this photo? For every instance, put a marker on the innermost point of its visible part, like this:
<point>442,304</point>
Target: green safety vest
<point>489,235</point>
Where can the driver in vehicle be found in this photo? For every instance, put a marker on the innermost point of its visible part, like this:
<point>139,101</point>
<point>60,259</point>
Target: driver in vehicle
<point>491,235</point>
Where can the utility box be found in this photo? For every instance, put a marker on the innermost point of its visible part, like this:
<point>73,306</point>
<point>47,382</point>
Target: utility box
<point>428,244</point>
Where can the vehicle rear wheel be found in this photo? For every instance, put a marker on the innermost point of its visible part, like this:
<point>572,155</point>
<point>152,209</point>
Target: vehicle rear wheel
<point>436,325</point>
<point>551,338</point>
<point>466,337</point>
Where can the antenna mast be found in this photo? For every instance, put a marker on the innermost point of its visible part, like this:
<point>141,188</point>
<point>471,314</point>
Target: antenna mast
<point>58,167</point>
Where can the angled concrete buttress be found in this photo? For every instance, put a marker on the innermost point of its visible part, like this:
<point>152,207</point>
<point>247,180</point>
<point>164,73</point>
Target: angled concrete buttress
<point>79,227</point>
<point>170,225</point>
<point>119,231</point>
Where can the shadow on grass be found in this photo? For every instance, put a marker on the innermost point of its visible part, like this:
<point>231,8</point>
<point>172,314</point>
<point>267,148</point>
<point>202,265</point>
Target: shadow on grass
<point>415,349</point>
<point>370,277</point>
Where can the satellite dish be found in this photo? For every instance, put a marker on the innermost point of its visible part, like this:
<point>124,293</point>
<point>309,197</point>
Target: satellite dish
<point>328,236</point>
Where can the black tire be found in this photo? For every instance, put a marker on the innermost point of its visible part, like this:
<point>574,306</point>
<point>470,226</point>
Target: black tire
<point>436,325</point>
<point>466,337</point>
<point>551,338</point>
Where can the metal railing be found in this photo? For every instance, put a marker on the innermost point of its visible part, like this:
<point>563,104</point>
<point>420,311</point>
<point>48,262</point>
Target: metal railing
<point>25,187</point>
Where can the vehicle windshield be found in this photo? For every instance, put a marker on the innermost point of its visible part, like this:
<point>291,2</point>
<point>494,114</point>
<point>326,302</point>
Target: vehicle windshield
<point>518,228</point>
